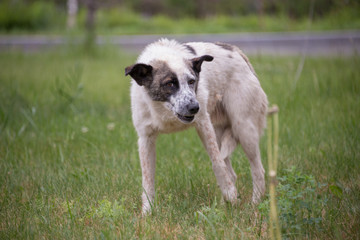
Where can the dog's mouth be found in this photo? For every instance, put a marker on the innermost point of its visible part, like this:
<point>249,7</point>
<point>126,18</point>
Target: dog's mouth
<point>186,119</point>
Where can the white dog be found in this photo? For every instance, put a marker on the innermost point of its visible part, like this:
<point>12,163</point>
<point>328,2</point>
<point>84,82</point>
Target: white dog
<point>225,103</point>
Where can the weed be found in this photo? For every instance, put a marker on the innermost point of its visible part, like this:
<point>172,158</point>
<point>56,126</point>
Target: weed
<point>300,204</point>
<point>70,89</point>
<point>210,216</point>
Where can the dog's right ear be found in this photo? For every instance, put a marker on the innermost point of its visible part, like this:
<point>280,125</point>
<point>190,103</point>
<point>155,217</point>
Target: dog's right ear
<point>141,73</point>
<point>197,62</point>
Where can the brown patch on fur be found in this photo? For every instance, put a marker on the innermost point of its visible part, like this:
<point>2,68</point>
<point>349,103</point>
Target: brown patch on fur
<point>218,97</point>
<point>232,48</point>
<point>162,74</point>
<point>225,46</point>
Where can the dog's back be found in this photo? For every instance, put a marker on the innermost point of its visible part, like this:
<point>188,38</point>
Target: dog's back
<point>222,98</point>
<point>231,83</point>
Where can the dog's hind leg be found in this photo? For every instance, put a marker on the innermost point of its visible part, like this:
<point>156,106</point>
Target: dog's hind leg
<point>245,104</point>
<point>248,136</point>
<point>227,146</point>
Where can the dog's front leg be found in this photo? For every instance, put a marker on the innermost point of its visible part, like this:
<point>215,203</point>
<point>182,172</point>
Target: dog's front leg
<point>207,134</point>
<point>147,156</point>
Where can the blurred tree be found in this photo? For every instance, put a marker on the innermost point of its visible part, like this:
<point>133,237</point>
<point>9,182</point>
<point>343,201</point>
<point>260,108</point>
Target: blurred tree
<point>91,6</point>
<point>300,9</point>
<point>180,8</point>
<point>72,6</point>
<point>204,8</point>
<point>260,11</point>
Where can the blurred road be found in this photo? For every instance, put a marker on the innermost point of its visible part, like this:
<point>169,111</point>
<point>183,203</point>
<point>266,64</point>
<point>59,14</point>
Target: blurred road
<point>285,43</point>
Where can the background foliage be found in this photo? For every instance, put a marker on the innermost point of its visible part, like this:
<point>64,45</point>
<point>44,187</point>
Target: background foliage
<point>137,16</point>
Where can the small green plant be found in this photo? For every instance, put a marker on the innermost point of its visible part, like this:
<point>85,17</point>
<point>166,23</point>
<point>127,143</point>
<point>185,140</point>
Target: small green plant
<point>299,202</point>
<point>70,89</point>
<point>104,210</point>
<point>107,209</point>
<point>209,216</point>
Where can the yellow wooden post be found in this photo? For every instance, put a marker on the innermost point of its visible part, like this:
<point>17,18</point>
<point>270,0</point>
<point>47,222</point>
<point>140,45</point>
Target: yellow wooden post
<point>273,123</point>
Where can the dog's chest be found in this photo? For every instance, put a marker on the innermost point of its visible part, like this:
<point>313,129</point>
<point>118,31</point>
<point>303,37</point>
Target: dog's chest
<point>167,123</point>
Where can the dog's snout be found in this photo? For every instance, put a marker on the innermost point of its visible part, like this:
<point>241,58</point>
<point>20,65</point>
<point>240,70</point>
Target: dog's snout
<point>193,108</point>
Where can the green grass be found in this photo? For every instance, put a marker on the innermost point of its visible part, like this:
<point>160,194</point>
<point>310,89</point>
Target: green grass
<point>69,166</point>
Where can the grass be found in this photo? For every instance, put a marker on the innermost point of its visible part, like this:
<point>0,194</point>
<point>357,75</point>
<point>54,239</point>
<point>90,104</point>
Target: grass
<point>69,166</point>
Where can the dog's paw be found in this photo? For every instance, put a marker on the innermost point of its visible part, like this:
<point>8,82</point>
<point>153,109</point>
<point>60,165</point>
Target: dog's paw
<point>146,210</point>
<point>257,196</point>
<point>230,195</point>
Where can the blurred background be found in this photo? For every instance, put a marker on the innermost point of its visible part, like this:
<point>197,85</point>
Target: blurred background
<point>176,16</point>
<point>89,18</point>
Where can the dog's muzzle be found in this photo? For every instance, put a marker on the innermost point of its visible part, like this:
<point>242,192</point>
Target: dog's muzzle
<point>192,109</point>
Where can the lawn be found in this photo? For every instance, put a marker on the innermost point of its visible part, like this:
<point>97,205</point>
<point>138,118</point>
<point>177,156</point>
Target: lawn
<point>69,167</point>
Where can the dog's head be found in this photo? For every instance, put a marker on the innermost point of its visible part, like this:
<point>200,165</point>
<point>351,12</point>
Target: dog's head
<point>176,88</point>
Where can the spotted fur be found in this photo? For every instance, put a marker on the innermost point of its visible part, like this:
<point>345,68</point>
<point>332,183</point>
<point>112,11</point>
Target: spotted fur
<point>211,87</point>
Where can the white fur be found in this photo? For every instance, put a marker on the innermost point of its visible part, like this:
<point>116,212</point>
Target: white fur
<point>233,110</point>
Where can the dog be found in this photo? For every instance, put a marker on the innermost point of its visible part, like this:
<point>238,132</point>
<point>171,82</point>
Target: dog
<point>209,86</point>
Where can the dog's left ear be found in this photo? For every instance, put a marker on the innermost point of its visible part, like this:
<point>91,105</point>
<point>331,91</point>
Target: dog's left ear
<point>196,62</point>
<point>141,73</point>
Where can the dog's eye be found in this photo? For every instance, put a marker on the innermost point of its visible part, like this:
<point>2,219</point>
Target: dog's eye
<point>191,82</point>
<point>170,84</point>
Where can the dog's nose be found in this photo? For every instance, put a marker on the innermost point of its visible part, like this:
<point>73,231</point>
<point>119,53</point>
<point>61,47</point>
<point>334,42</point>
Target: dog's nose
<point>193,108</point>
